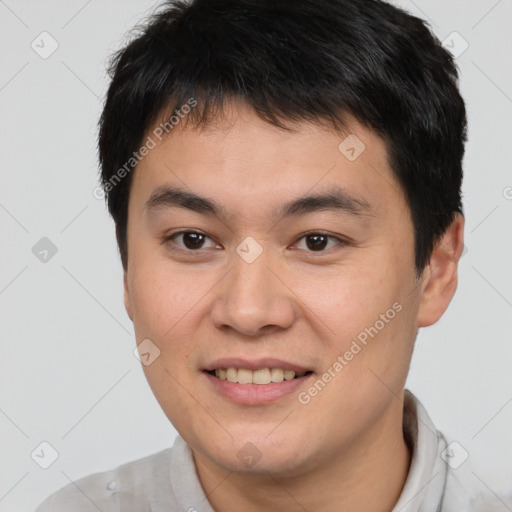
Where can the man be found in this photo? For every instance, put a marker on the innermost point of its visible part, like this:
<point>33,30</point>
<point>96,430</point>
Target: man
<point>285,182</point>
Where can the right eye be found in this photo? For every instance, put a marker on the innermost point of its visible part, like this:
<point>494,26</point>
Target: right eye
<point>189,241</point>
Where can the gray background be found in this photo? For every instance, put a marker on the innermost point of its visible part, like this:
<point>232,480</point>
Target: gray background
<point>67,372</point>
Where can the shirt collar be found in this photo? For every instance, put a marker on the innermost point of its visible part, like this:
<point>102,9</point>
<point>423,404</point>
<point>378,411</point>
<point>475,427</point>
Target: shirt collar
<point>424,488</point>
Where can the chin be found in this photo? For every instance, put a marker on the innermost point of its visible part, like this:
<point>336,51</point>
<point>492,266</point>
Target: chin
<point>246,454</point>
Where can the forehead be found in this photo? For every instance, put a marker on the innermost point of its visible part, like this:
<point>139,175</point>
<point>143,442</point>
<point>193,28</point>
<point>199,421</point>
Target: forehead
<point>239,158</point>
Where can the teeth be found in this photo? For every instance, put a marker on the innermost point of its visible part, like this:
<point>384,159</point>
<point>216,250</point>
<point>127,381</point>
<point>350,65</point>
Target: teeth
<point>232,374</point>
<point>277,375</point>
<point>262,376</point>
<point>244,376</point>
<point>221,374</point>
<point>289,374</point>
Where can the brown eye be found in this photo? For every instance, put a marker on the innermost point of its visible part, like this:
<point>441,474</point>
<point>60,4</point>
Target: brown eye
<point>316,242</point>
<point>191,240</point>
<point>319,242</point>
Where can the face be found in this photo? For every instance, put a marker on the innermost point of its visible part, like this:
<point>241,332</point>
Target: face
<point>254,248</point>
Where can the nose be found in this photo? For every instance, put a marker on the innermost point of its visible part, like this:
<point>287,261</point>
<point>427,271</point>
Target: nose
<point>253,300</point>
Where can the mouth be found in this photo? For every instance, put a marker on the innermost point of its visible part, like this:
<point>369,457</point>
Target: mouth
<point>256,382</point>
<point>261,376</point>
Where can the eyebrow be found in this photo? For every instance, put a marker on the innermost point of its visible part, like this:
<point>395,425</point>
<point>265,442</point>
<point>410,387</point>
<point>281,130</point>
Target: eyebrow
<point>335,198</point>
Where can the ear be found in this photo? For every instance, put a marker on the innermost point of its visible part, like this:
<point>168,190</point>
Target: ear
<point>127,299</point>
<point>440,276</point>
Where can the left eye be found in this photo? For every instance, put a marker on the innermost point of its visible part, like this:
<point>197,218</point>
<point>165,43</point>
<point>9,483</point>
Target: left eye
<point>318,242</point>
<point>192,240</point>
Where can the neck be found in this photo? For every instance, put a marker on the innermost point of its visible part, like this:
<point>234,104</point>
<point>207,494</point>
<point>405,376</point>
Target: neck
<point>369,476</point>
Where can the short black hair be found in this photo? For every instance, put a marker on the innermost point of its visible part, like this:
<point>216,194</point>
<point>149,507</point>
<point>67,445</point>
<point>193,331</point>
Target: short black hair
<point>300,60</point>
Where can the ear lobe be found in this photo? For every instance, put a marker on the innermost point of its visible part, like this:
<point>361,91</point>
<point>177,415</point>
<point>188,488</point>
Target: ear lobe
<point>127,299</point>
<point>441,274</point>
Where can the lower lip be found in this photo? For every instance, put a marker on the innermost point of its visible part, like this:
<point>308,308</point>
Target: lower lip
<point>256,394</point>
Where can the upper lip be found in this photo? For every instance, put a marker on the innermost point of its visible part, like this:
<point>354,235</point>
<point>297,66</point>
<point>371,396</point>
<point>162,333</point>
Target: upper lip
<point>255,364</point>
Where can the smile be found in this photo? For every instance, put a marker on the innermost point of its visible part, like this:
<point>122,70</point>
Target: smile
<point>261,376</point>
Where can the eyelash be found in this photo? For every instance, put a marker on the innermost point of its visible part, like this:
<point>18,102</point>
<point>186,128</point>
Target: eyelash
<point>340,241</point>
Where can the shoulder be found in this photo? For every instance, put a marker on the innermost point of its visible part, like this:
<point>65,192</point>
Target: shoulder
<point>465,490</point>
<point>443,471</point>
<point>130,486</point>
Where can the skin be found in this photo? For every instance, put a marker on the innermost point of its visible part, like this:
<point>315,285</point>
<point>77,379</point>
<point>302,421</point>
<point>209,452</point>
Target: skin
<point>292,303</point>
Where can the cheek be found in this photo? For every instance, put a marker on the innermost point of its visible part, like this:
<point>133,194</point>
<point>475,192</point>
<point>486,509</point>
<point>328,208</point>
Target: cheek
<point>164,298</point>
<point>345,300</point>
<point>360,315</point>
<point>166,306</point>
<point>366,334</point>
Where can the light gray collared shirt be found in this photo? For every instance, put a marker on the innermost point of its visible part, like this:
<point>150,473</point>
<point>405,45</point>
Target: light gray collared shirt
<point>167,481</point>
